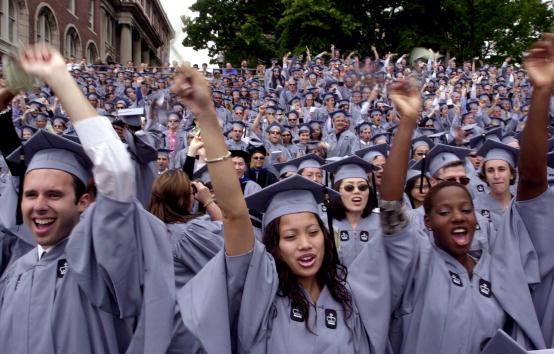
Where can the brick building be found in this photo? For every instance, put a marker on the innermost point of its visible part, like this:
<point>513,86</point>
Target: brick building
<point>112,30</point>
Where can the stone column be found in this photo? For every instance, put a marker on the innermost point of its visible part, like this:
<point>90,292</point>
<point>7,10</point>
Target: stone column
<point>125,45</point>
<point>137,53</point>
<point>146,56</point>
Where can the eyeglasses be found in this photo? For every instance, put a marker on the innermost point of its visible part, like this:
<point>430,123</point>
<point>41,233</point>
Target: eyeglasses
<point>464,181</point>
<point>350,187</point>
<point>421,153</point>
<point>472,155</point>
<point>259,158</point>
<point>274,132</point>
<point>285,135</point>
<point>292,119</point>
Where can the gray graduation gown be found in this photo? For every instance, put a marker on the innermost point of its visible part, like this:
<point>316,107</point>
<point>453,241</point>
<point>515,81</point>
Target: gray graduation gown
<point>538,216</point>
<point>351,242</point>
<point>439,309</point>
<point>232,306</point>
<point>490,209</point>
<point>194,244</point>
<point>107,288</point>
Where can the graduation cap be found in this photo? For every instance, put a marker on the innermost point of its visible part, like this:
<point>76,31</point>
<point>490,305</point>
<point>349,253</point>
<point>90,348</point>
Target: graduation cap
<point>50,151</point>
<point>328,95</point>
<point>29,128</point>
<point>285,167</point>
<point>379,136</point>
<point>164,152</point>
<point>338,113</point>
<point>304,128</point>
<point>202,175</point>
<point>371,152</point>
<point>131,116</point>
<point>509,138</point>
<point>362,126</point>
<point>273,126</point>
<point>495,133</point>
<point>349,167</point>
<point>241,153</point>
<point>494,150</point>
<point>292,195</point>
<point>441,155</point>
<point>309,160</point>
<point>239,124</point>
<point>502,343</point>
<point>422,141</point>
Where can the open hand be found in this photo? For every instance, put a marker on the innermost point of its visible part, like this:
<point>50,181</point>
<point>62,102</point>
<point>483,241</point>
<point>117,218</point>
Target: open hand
<point>42,61</point>
<point>539,62</point>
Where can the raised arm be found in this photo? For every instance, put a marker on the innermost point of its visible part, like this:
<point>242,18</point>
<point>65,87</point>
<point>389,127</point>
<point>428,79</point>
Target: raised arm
<point>47,63</point>
<point>408,101</point>
<point>113,171</point>
<point>238,233</point>
<point>533,148</point>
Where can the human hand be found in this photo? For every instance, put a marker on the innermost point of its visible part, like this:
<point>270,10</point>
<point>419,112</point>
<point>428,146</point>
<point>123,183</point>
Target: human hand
<point>195,144</point>
<point>406,99</point>
<point>191,86</point>
<point>42,61</point>
<point>202,192</point>
<point>539,62</point>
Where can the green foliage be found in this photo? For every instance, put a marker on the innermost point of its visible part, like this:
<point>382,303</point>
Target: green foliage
<point>258,30</point>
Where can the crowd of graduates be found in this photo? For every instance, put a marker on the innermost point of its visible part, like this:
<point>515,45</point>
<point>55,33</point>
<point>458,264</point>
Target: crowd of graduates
<point>330,204</point>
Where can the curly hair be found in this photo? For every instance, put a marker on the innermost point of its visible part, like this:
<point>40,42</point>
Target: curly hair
<point>483,173</point>
<point>332,273</point>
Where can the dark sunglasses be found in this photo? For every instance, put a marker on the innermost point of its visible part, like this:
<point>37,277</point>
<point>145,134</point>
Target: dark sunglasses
<point>350,187</point>
<point>259,158</point>
<point>464,181</point>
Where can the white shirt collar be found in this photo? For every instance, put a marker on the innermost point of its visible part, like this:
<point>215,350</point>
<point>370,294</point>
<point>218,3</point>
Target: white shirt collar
<point>41,251</point>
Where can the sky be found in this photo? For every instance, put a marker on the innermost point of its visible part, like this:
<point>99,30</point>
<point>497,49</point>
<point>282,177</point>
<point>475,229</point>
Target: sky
<point>174,9</point>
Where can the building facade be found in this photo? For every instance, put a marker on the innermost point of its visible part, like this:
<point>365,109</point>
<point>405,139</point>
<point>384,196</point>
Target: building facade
<point>112,30</point>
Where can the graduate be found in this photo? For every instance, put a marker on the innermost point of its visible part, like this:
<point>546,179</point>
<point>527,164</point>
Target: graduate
<point>97,281</point>
<point>534,199</point>
<point>446,298</point>
<point>353,218</point>
<point>253,298</point>
<point>499,172</point>
<point>195,238</point>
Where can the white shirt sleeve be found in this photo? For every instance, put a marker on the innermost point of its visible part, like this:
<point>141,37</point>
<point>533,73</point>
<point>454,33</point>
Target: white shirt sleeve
<point>113,171</point>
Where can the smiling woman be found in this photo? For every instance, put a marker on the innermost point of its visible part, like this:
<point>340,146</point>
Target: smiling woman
<point>447,296</point>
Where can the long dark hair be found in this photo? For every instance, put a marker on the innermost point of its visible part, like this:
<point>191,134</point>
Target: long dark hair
<point>332,273</point>
<point>410,185</point>
<point>338,210</point>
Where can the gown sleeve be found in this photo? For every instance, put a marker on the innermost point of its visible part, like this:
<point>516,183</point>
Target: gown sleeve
<point>227,304</point>
<point>119,253</point>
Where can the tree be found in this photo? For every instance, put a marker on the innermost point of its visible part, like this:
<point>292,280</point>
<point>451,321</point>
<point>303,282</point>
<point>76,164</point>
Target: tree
<point>255,29</point>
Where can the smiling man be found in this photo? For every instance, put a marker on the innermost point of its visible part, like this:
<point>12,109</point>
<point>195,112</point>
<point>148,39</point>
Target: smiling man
<point>84,288</point>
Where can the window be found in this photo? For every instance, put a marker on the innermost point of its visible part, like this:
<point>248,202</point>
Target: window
<point>92,53</point>
<point>72,43</point>
<point>91,15</point>
<point>45,25</point>
<point>11,21</point>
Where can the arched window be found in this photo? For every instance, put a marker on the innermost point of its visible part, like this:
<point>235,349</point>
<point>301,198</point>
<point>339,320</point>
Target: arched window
<point>8,26</point>
<point>45,25</point>
<point>72,45</point>
<point>92,53</point>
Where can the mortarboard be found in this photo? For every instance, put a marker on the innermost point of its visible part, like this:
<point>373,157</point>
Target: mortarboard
<point>292,195</point>
<point>494,150</point>
<point>349,167</point>
<point>441,155</point>
<point>371,152</point>
<point>50,151</point>
<point>131,116</point>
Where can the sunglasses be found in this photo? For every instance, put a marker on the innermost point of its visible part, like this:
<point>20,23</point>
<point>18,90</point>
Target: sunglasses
<point>350,187</point>
<point>464,181</point>
<point>259,158</point>
<point>472,155</point>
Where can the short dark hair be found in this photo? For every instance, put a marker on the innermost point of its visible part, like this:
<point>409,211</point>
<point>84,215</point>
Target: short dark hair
<point>430,197</point>
<point>79,187</point>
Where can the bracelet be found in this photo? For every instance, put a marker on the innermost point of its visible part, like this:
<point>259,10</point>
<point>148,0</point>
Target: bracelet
<point>217,159</point>
<point>208,204</point>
